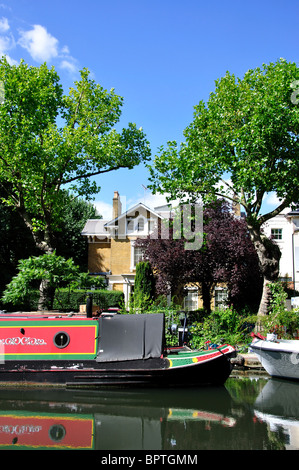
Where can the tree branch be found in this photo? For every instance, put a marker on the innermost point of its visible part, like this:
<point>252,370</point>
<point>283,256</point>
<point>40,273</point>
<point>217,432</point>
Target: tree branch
<point>263,218</point>
<point>88,175</point>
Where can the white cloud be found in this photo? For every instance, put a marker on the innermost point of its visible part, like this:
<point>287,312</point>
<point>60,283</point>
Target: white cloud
<point>4,26</point>
<point>104,209</point>
<point>69,65</point>
<point>7,41</point>
<point>40,44</point>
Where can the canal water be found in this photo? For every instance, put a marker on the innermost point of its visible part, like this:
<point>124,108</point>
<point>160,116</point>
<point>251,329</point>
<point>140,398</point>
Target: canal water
<point>247,413</point>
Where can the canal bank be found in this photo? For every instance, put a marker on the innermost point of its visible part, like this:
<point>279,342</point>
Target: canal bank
<point>247,365</point>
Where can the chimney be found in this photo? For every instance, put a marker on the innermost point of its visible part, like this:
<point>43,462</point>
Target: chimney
<point>116,206</point>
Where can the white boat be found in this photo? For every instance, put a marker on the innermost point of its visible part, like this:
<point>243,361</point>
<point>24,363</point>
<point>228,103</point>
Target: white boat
<point>279,357</point>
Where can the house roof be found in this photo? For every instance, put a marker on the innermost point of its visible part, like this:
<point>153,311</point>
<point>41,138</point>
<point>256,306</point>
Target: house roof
<point>94,227</point>
<point>101,228</point>
<point>138,207</point>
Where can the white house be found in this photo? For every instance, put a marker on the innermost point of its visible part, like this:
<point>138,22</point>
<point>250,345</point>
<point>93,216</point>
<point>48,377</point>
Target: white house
<point>284,229</point>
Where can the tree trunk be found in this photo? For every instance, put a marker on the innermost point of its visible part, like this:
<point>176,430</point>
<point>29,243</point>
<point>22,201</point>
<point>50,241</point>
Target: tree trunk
<point>269,255</point>
<point>206,296</point>
<point>44,242</point>
<point>46,295</point>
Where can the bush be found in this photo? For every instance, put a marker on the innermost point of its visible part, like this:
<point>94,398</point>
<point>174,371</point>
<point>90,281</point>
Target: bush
<point>66,300</point>
<point>221,326</point>
<point>280,321</point>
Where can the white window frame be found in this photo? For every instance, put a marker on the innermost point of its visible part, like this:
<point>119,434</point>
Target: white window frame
<point>133,256</point>
<point>276,234</point>
<point>191,299</point>
<point>135,229</point>
<point>220,297</point>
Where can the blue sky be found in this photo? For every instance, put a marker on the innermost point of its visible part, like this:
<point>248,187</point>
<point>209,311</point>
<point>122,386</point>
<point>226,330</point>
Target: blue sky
<point>162,56</point>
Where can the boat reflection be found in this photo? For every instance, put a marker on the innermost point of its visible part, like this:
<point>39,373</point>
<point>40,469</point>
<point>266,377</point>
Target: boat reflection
<point>107,420</point>
<point>278,406</point>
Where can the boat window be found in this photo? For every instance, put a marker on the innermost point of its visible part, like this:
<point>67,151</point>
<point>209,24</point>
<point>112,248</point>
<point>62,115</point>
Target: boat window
<point>61,339</point>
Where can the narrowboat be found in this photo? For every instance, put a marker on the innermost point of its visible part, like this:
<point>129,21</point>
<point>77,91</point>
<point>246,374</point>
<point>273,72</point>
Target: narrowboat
<point>108,350</point>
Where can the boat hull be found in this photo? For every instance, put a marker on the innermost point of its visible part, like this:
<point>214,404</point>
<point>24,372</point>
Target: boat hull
<point>280,358</point>
<point>111,350</point>
<point>152,372</point>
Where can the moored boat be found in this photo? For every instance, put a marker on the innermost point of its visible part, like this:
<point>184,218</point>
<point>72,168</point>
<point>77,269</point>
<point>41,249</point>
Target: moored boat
<point>279,357</point>
<point>109,350</point>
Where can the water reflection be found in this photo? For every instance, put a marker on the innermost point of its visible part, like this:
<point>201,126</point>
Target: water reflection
<point>278,406</point>
<point>244,414</point>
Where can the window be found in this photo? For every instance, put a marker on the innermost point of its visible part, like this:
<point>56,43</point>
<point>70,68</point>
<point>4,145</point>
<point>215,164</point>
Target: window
<point>130,226</point>
<point>191,300</point>
<point>61,339</point>
<point>220,297</point>
<point>138,255</point>
<point>135,225</point>
<point>276,233</point>
<point>140,225</point>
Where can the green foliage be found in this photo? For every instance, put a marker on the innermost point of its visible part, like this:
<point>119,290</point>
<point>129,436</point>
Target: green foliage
<point>221,326</point>
<point>67,300</point>
<point>70,300</point>
<point>283,322</point>
<point>50,140</point>
<point>172,317</point>
<point>248,129</point>
<point>144,286</point>
<point>69,242</point>
<point>56,271</point>
<point>241,144</point>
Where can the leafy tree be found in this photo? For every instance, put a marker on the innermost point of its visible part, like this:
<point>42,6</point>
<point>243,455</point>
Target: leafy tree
<point>68,240</point>
<point>47,272</point>
<point>242,144</point>
<point>16,241</point>
<point>144,285</point>
<point>50,141</point>
<point>227,255</point>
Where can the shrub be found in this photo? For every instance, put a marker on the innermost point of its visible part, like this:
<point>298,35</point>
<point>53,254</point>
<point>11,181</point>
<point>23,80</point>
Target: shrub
<point>280,321</point>
<point>66,300</point>
<point>221,326</point>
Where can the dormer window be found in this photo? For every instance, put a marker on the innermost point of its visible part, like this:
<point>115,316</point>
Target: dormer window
<point>130,226</point>
<point>140,225</point>
<point>136,225</point>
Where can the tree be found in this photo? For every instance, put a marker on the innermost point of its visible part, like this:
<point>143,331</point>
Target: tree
<point>227,256</point>
<point>49,271</point>
<point>50,141</point>
<point>69,242</point>
<point>144,285</point>
<point>242,144</point>
<point>16,241</point>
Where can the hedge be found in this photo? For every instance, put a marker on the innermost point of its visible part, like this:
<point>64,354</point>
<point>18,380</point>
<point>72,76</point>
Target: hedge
<point>70,301</point>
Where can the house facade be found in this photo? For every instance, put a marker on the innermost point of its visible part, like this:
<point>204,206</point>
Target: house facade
<point>111,243</point>
<point>284,230</point>
<point>112,251</point>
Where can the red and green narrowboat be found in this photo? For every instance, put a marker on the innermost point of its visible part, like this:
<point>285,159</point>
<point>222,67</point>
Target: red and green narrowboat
<point>109,350</point>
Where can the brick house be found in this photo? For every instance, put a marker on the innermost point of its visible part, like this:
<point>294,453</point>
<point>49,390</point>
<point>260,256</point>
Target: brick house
<point>111,248</point>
